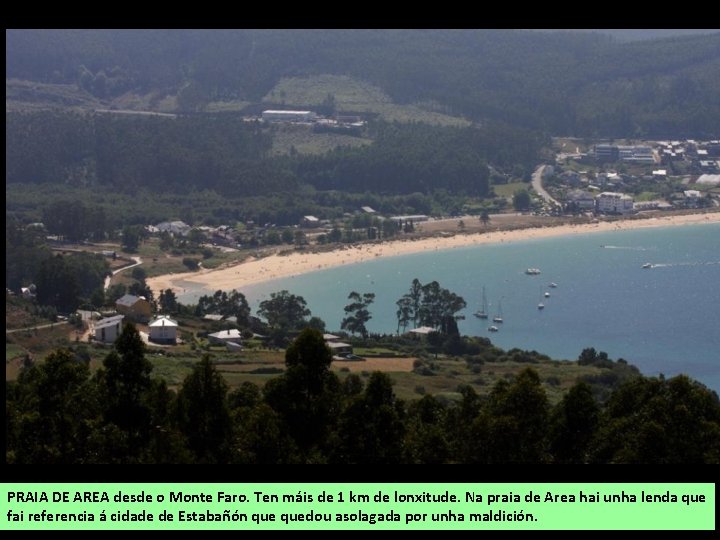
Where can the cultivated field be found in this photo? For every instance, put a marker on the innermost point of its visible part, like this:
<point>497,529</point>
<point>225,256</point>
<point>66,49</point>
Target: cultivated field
<point>354,95</point>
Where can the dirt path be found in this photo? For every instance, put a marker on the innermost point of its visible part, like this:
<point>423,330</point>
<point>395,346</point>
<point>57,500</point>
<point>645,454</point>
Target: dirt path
<point>108,279</point>
<point>36,327</point>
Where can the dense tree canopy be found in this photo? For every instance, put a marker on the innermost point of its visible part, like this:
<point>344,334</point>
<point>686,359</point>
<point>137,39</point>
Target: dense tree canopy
<point>284,310</point>
<point>58,414</point>
<point>562,82</point>
<point>230,157</point>
<point>430,305</point>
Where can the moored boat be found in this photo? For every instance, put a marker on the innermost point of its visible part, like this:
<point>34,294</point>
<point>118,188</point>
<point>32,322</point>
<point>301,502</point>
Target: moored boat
<point>499,317</point>
<point>482,313</point>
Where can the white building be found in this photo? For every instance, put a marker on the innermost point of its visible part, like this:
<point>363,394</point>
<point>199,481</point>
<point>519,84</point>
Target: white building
<point>614,203</point>
<point>310,222</point>
<point>338,347</point>
<point>709,179</point>
<point>636,154</point>
<point>107,330</point>
<point>288,116</point>
<point>225,336</point>
<point>176,228</point>
<point>163,330</point>
<point>411,219</point>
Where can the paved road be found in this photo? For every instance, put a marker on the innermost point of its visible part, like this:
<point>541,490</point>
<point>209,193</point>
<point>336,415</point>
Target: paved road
<point>538,187</point>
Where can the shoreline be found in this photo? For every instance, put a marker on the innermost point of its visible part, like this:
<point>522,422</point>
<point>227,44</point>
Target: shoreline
<point>254,271</point>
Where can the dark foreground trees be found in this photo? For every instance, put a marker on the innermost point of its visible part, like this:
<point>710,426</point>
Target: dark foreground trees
<point>58,413</point>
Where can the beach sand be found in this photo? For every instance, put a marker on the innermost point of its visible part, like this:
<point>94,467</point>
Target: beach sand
<point>254,271</point>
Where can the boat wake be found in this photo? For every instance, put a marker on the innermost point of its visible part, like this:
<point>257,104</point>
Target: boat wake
<point>672,265</point>
<point>630,248</point>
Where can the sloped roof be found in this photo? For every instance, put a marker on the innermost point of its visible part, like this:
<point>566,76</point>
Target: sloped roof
<point>128,300</point>
<point>338,345</point>
<point>110,321</point>
<point>424,330</point>
<point>709,179</point>
<point>227,334</point>
<point>162,321</point>
<point>174,227</point>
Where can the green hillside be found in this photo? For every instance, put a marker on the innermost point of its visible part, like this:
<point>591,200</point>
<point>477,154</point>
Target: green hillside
<point>569,83</point>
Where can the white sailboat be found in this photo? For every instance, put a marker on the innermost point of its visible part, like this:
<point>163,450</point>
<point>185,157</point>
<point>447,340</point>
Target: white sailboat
<point>541,305</point>
<point>482,313</point>
<point>499,317</point>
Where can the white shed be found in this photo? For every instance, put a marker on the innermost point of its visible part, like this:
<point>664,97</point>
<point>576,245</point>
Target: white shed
<point>107,330</point>
<point>225,336</point>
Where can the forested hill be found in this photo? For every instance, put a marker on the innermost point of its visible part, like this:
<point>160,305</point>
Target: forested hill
<point>224,154</point>
<point>572,83</point>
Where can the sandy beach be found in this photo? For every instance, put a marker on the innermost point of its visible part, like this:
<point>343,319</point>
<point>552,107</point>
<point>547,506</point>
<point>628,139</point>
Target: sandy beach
<point>254,271</point>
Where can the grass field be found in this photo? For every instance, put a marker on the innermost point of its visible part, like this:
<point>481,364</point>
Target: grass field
<point>24,95</point>
<point>157,262</point>
<point>353,95</point>
<point>226,106</point>
<point>412,376</point>
<point>12,350</point>
<point>304,141</point>
<point>647,196</point>
<point>508,190</point>
<point>570,146</point>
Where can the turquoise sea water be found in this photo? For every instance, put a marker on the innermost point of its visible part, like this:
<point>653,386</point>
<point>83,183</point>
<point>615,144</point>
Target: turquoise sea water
<point>665,319</point>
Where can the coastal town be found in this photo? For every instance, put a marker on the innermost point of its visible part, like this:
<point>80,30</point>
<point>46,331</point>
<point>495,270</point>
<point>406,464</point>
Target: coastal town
<point>571,196</point>
<point>598,189</point>
<point>348,246</point>
<point>626,179</point>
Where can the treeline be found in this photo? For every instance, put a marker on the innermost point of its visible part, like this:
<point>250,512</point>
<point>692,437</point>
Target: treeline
<point>63,281</point>
<point>58,413</point>
<point>569,83</point>
<point>126,153</point>
<point>28,203</point>
<point>226,155</point>
<point>406,158</point>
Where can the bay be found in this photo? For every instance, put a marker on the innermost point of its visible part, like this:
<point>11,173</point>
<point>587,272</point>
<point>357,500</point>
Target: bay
<point>663,319</point>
